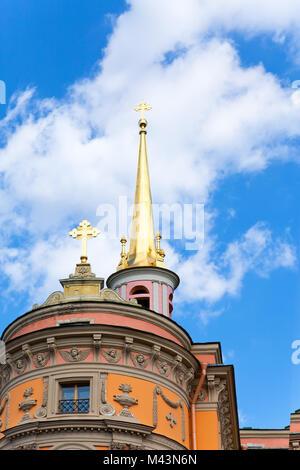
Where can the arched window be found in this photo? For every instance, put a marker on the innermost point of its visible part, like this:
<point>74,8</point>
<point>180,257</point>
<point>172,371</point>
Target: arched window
<point>141,294</point>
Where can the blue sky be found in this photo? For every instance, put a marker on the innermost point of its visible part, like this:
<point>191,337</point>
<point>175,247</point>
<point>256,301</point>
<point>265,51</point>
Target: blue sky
<point>224,131</point>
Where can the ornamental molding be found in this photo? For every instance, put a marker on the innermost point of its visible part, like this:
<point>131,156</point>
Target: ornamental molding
<point>221,391</point>
<point>105,295</point>
<point>41,411</point>
<point>97,345</point>
<point>83,271</point>
<point>225,419</point>
<point>105,409</point>
<point>53,299</point>
<point>5,375</point>
<point>52,349</point>
<point>112,296</point>
<point>5,402</point>
<point>117,446</point>
<point>85,426</point>
<point>29,446</point>
<point>131,310</point>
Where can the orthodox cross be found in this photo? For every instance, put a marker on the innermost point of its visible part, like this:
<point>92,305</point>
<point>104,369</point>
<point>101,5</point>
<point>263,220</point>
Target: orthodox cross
<point>83,232</point>
<point>170,417</point>
<point>142,107</point>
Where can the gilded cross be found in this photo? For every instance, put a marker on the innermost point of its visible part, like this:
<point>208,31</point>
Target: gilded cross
<point>170,417</point>
<point>83,232</point>
<point>142,107</point>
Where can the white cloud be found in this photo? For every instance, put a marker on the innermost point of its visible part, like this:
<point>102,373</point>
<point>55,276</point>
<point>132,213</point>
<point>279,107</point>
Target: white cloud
<point>211,117</point>
<point>208,276</point>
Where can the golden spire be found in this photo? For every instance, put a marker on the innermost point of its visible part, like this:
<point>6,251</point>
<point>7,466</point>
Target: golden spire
<point>83,232</point>
<point>142,249</point>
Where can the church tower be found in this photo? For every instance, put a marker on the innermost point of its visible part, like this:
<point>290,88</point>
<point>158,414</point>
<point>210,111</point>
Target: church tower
<point>106,368</point>
<point>141,273</point>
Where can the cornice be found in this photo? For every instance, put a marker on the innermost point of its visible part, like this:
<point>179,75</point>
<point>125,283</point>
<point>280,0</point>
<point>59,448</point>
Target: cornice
<point>77,425</point>
<point>75,307</point>
<point>264,433</point>
<point>147,272</point>
<point>208,348</point>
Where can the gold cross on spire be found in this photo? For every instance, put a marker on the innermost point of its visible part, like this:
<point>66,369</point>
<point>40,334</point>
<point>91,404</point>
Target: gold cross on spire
<point>142,107</point>
<point>83,232</point>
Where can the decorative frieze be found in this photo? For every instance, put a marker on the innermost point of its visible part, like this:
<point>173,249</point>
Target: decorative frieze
<point>127,352</point>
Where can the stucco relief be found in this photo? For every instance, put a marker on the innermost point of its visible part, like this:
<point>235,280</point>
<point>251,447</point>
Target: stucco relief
<point>5,403</point>
<point>27,404</point>
<point>125,400</point>
<point>41,359</point>
<point>75,354</point>
<point>139,360</point>
<point>163,368</point>
<point>218,392</point>
<point>20,365</point>
<point>225,419</point>
<point>41,411</point>
<point>4,375</point>
<point>106,409</point>
<point>112,355</point>
<point>179,404</point>
<point>53,299</point>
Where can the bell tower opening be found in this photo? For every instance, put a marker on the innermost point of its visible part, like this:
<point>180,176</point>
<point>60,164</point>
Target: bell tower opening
<point>142,295</point>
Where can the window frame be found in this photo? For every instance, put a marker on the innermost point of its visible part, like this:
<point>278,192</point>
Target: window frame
<point>69,377</point>
<point>75,385</point>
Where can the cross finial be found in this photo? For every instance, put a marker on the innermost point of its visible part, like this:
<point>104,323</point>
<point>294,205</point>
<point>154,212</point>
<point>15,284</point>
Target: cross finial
<point>142,107</point>
<point>83,232</point>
